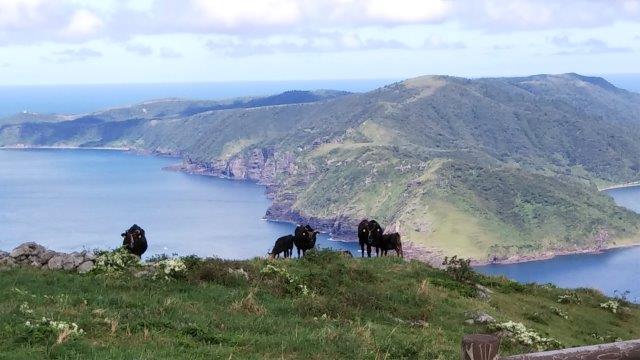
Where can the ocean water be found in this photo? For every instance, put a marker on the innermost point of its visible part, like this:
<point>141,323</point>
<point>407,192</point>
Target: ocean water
<point>83,199</point>
<point>74,99</point>
<point>613,272</point>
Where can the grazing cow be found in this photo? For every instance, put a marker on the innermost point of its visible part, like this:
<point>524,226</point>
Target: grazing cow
<point>363,236</point>
<point>391,242</point>
<point>304,238</point>
<point>284,245</point>
<point>385,242</point>
<point>135,240</point>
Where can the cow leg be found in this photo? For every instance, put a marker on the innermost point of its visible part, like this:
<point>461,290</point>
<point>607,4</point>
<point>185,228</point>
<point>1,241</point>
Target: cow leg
<point>362,248</point>
<point>368,250</point>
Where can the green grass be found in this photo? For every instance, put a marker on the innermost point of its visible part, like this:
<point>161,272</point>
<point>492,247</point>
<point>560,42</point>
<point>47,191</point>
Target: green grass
<point>378,308</point>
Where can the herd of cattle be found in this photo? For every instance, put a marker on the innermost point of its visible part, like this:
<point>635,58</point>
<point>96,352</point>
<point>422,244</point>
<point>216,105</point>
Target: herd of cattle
<point>370,235</point>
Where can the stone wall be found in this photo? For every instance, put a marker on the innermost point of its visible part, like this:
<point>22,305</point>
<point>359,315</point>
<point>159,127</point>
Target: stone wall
<point>35,255</point>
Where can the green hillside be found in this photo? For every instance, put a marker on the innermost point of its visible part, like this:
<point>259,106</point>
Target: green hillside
<point>321,307</point>
<point>516,160</point>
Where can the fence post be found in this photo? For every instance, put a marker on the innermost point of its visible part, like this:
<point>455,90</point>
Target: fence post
<point>480,347</point>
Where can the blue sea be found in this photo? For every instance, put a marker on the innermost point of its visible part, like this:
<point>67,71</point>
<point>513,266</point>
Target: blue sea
<point>83,199</point>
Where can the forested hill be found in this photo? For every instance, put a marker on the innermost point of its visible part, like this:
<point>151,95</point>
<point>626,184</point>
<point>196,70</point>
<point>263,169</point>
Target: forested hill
<point>484,168</point>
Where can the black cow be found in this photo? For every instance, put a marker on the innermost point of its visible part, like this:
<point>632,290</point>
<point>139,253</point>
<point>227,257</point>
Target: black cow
<point>391,242</point>
<point>284,245</point>
<point>135,240</point>
<point>363,236</point>
<point>384,242</point>
<point>304,238</point>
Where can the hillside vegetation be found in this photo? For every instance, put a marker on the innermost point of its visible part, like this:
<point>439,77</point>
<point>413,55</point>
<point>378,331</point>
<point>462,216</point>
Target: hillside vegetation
<point>516,160</point>
<point>324,306</point>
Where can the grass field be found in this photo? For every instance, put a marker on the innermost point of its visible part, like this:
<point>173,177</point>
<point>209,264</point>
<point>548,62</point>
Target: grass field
<point>321,307</point>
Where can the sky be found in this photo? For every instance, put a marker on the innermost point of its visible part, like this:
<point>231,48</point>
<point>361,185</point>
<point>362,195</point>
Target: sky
<point>165,41</point>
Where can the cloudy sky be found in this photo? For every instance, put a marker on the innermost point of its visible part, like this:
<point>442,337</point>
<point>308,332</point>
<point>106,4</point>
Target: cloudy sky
<point>147,41</point>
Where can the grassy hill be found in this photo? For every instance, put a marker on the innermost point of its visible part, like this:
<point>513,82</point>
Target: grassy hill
<point>323,306</point>
<point>517,160</point>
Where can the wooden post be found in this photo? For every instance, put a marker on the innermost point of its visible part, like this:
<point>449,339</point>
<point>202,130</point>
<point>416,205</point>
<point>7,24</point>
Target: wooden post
<point>623,350</point>
<point>480,347</point>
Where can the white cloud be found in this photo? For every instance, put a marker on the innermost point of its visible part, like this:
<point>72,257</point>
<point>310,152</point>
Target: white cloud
<point>234,14</point>
<point>408,11</point>
<point>83,24</point>
<point>31,21</point>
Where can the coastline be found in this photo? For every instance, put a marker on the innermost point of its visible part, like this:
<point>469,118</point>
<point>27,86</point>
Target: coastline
<point>413,251</point>
<point>548,255</point>
<point>620,186</point>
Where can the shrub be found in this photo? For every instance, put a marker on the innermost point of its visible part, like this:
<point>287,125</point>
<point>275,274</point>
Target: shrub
<point>116,261</point>
<point>611,305</point>
<point>291,282</point>
<point>517,332</point>
<point>569,298</point>
<point>559,312</point>
<point>170,269</point>
<point>459,269</point>
<point>63,330</point>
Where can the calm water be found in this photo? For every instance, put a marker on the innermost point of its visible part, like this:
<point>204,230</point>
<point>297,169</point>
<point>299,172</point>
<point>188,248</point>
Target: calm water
<point>75,199</point>
<point>614,270</point>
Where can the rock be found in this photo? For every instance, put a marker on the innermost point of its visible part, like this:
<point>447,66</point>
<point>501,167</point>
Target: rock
<point>56,262</point>
<point>3,254</point>
<point>483,318</point>
<point>89,256</point>
<point>46,256</point>
<point>85,267</point>
<point>27,249</point>
<point>483,292</point>
<point>7,262</point>
<point>72,261</point>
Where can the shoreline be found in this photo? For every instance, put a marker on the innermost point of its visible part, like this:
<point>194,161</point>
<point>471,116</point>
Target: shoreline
<point>620,186</point>
<point>519,259</point>
<point>415,251</point>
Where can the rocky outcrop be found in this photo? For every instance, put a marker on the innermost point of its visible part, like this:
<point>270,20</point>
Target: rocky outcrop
<point>35,255</point>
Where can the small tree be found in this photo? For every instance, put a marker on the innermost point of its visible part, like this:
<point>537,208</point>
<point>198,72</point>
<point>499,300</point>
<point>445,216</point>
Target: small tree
<point>459,269</point>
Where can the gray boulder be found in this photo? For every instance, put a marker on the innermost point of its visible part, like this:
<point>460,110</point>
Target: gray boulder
<point>56,262</point>
<point>46,256</point>
<point>85,267</point>
<point>7,262</point>
<point>3,254</point>
<point>27,249</point>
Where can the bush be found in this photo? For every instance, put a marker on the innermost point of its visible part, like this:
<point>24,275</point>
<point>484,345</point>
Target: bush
<point>116,261</point>
<point>611,305</point>
<point>459,269</point>
<point>517,332</point>
<point>569,298</point>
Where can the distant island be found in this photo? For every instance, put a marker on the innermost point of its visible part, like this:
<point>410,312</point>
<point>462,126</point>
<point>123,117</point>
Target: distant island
<point>496,169</point>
